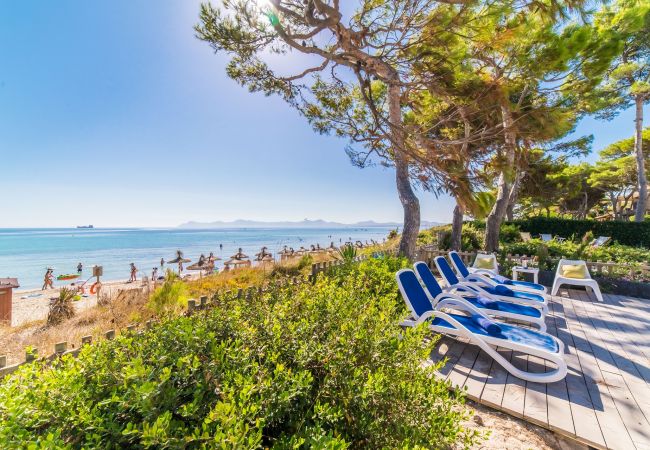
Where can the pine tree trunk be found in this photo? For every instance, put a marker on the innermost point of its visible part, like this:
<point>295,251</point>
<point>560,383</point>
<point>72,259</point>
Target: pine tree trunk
<point>640,162</point>
<point>410,202</point>
<point>495,218</point>
<point>514,195</point>
<point>457,228</point>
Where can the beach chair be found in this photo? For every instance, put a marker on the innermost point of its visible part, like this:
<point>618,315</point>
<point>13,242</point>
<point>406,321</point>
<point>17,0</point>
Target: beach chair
<point>493,308</point>
<point>546,237</point>
<point>485,263</point>
<point>477,327</point>
<point>575,273</point>
<point>500,292</point>
<point>601,241</point>
<point>493,280</point>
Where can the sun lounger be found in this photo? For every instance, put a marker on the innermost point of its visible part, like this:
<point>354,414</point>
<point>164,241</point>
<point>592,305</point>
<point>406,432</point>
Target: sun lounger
<point>477,327</point>
<point>493,308</point>
<point>491,280</point>
<point>485,263</point>
<point>601,241</point>
<point>575,273</point>
<point>499,292</point>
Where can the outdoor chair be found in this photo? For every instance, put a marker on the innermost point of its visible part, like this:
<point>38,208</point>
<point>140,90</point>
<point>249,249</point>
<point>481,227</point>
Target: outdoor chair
<point>485,263</point>
<point>493,308</point>
<point>550,237</point>
<point>477,327</point>
<point>492,280</point>
<point>575,273</point>
<point>525,236</point>
<point>500,292</point>
<point>601,241</point>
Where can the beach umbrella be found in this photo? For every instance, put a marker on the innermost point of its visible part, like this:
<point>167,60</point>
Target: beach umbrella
<point>201,264</point>
<point>179,258</point>
<point>262,254</point>
<point>239,255</point>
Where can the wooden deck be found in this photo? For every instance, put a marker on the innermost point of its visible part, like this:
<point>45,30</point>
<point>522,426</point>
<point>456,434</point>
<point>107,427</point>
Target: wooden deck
<point>603,402</point>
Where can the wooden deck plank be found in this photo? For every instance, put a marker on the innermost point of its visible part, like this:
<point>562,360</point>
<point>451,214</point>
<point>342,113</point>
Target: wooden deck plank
<point>585,420</point>
<point>496,383</point>
<point>612,426</point>
<point>631,372</point>
<point>463,366</point>
<point>605,399</point>
<point>557,395</point>
<point>535,404</point>
<point>479,375</point>
<point>514,395</point>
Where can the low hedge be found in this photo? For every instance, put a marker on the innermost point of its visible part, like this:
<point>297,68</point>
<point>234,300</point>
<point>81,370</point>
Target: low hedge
<point>627,233</point>
<point>312,366</point>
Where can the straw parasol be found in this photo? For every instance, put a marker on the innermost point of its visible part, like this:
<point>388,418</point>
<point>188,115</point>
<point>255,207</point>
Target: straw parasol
<point>179,260</point>
<point>201,264</point>
<point>262,254</point>
<point>239,259</point>
<point>285,253</point>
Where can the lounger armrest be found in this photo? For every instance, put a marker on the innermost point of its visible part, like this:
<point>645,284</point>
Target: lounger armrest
<point>480,278</point>
<point>484,271</point>
<point>424,317</point>
<point>452,300</point>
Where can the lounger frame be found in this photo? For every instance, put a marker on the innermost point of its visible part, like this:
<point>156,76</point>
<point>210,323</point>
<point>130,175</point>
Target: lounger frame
<point>476,289</point>
<point>479,278</point>
<point>539,322</point>
<point>588,282</point>
<point>487,343</point>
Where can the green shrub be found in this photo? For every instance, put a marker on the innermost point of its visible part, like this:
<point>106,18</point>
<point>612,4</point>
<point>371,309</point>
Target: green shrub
<point>312,366</point>
<point>509,233</point>
<point>170,297</point>
<point>348,253</point>
<point>471,239</point>
<point>627,233</point>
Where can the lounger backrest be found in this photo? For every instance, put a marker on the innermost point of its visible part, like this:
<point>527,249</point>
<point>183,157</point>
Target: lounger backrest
<point>413,292</point>
<point>571,262</point>
<point>460,265</point>
<point>546,237</point>
<point>426,276</point>
<point>446,271</point>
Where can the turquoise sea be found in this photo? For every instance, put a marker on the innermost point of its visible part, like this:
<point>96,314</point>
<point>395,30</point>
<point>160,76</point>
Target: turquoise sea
<point>26,253</point>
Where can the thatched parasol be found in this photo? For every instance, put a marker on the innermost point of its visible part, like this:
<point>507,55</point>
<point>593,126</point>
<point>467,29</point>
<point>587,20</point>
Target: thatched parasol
<point>239,255</point>
<point>179,258</point>
<point>262,254</point>
<point>201,264</point>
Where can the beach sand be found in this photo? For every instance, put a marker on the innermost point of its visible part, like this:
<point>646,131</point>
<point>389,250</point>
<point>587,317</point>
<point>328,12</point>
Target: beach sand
<point>34,304</point>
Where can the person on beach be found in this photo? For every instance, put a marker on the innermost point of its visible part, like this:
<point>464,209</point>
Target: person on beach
<point>134,272</point>
<point>154,274</point>
<point>48,281</point>
<point>162,263</point>
<point>80,268</point>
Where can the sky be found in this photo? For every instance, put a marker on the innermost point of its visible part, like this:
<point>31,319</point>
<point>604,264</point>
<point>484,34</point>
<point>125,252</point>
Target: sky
<point>112,113</point>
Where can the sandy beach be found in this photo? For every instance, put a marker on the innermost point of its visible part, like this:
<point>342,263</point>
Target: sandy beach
<point>33,304</point>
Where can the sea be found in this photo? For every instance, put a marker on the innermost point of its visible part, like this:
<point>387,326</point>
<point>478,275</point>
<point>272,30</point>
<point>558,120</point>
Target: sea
<point>27,253</point>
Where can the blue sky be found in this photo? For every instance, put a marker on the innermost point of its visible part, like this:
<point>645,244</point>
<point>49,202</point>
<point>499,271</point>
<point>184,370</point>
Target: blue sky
<point>113,113</point>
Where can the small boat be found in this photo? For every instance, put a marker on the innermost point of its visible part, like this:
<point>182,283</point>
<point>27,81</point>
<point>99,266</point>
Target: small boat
<point>85,226</point>
<point>68,276</point>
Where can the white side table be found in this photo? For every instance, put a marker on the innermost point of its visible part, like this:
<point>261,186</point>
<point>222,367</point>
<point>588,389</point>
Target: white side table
<point>518,269</point>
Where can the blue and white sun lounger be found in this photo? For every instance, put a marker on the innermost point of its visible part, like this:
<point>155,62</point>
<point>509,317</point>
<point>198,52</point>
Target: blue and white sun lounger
<point>492,280</point>
<point>481,331</point>
<point>493,308</point>
<point>499,292</point>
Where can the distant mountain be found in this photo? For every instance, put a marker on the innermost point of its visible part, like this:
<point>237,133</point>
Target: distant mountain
<point>301,224</point>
